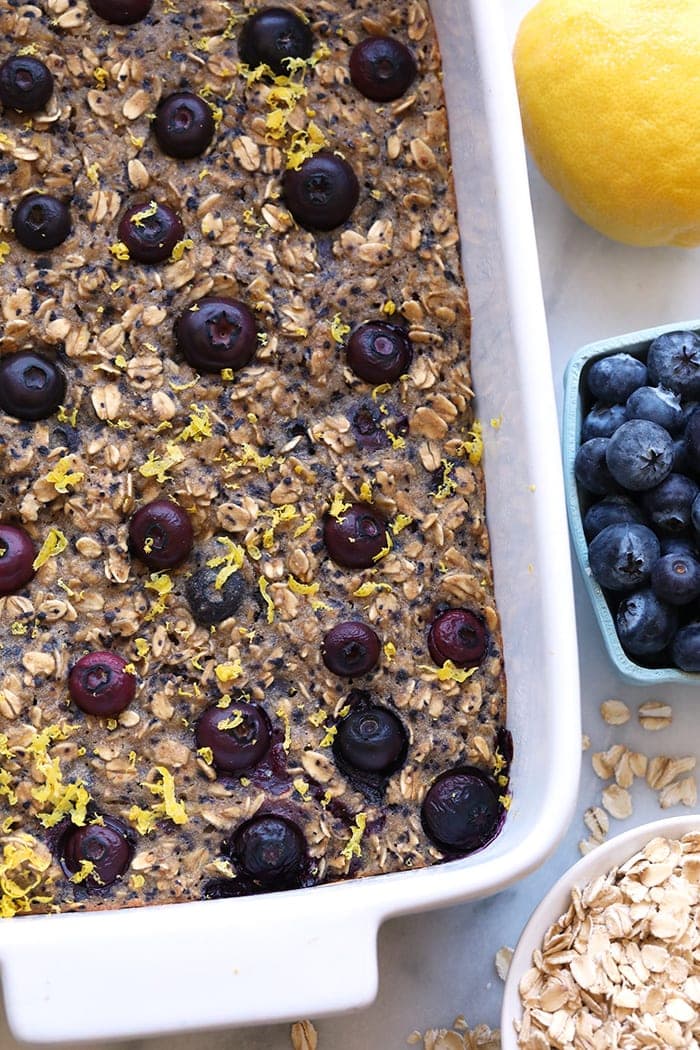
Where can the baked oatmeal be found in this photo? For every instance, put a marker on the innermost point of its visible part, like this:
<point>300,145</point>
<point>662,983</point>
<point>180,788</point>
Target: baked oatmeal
<point>249,639</point>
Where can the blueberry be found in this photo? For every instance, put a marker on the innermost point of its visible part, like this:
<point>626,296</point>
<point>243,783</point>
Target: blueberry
<point>612,510</point>
<point>645,624</point>
<point>602,421</point>
<point>273,35</point>
<point>350,649</point>
<point>382,68</point>
<point>678,545</point>
<point>150,231</point>
<point>99,684</point>
<point>379,352</point>
<point>621,556</point>
<point>160,534</point>
<point>680,460</point>
<point>367,427</point>
<point>692,442</point>
<point>106,844</point>
<point>591,467</point>
<point>31,386</point>
<point>640,454</point>
<point>270,851</point>
<point>216,333</point>
<point>685,649</point>
<point>657,404</point>
<point>612,379</point>
<point>461,811</point>
<point>41,222</point>
<point>322,193</point>
<point>668,505</point>
<point>239,735</point>
<point>371,739</point>
<point>211,605</point>
<point>673,360</point>
<point>675,578</point>
<point>357,537</point>
<point>26,84</point>
<point>121,12</point>
<point>183,125</point>
<point>458,635</point>
<point>17,555</point>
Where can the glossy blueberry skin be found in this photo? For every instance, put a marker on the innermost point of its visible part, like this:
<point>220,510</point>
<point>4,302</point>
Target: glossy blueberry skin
<point>611,510</point>
<point>357,537</point>
<point>183,125</point>
<point>668,505</point>
<point>322,193</point>
<point>240,747</point>
<point>41,222</point>
<point>675,578</point>
<point>371,739</point>
<point>685,648</point>
<point>31,386</point>
<point>645,624</point>
<point>640,455</point>
<point>657,404</point>
<point>150,239</point>
<point>612,379</point>
<point>99,685</point>
<point>270,850</point>
<point>673,361</point>
<point>26,83</point>
<point>621,556</point>
<point>273,35</point>
<point>379,352</point>
<point>121,12</point>
<point>602,421</point>
<point>17,556</point>
<point>382,68</point>
<point>219,333</point>
<point>107,845</point>
<point>458,635</point>
<point>211,606</point>
<point>350,649</point>
<point>168,528</point>
<point>461,812</point>
<point>591,467</point>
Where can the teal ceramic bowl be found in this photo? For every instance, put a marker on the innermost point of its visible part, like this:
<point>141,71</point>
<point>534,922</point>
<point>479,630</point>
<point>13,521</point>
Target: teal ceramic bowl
<point>576,403</point>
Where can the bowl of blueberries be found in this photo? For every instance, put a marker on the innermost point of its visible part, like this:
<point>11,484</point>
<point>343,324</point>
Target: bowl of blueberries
<point>631,437</point>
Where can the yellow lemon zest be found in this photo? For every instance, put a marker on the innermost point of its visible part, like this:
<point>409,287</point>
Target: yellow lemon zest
<point>389,651</point>
<point>281,712</point>
<point>366,494</point>
<point>338,506</point>
<point>180,248</point>
<point>54,544</point>
<point>474,447</point>
<point>339,330</point>
<point>120,251</point>
<point>165,789</point>
<point>4,250</point>
<point>302,588</point>
<point>199,426</point>
<point>302,787</point>
<point>228,672</point>
<point>449,672</point>
<point>308,521</point>
<point>370,587</point>
<point>144,820</point>
<point>61,477</point>
<point>231,561</point>
<point>400,522</point>
<point>352,848</point>
<point>267,598</point>
<point>206,754</point>
<point>448,485</point>
<point>329,737</point>
<point>157,466</point>
<point>101,76</point>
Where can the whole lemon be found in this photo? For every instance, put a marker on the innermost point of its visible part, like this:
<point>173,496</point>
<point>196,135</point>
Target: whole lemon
<point>610,102</point>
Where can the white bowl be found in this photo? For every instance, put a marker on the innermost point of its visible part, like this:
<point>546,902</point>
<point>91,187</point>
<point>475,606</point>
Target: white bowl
<point>609,854</point>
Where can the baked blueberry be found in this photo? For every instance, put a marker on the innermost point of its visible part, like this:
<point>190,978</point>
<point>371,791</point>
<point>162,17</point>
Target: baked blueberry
<point>379,352</point>
<point>668,505</point>
<point>658,404</point>
<point>382,68</point>
<point>26,83</point>
<point>367,427</point>
<point>239,735</point>
<point>458,635</point>
<point>461,811</point>
<point>121,12</point>
<point>350,649</point>
<point>612,379</point>
<point>41,222</point>
<point>673,361</point>
<point>612,510</point>
<point>17,555</point>
<point>107,845</point>
<point>357,537</point>
<point>270,851</point>
<point>692,442</point>
<point>99,684</point>
<point>602,421</point>
<point>591,467</point>
<point>645,624</point>
<point>621,556</point>
<point>322,193</point>
<point>150,231</point>
<point>273,35</point>
<point>675,578</point>
<point>160,534</point>
<point>31,386</point>
<point>210,605</point>
<point>371,739</point>
<point>216,333</point>
<point>639,454</point>
<point>183,125</point>
<point>685,648</point>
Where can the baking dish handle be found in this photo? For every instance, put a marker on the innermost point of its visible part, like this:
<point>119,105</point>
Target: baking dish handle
<point>155,970</point>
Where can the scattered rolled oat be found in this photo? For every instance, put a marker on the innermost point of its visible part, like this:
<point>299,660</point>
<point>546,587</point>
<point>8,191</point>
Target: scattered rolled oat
<point>503,959</point>
<point>654,715</point>
<point>596,820</point>
<point>459,1037</point>
<point>304,1036</point>
<point>615,712</point>
<point>617,801</point>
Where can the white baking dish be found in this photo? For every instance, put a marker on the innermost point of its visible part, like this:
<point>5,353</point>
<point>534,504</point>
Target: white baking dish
<point>313,952</point>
